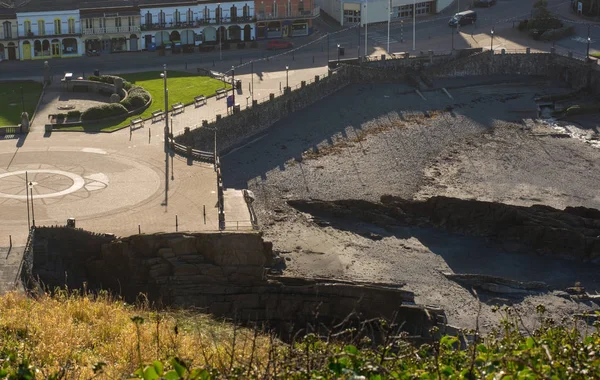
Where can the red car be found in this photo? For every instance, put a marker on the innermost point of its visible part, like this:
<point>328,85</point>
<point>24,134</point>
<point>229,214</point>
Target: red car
<point>278,44</point>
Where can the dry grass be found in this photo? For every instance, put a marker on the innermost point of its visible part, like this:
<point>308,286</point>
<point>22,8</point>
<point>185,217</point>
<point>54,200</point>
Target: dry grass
<point>71,331</point>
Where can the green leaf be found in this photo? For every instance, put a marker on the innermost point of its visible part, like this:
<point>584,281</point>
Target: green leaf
<point>172,375</point>
<point>375,377</point>
<point>150,373</point>
<point>448,341</point>
<point>530,342</point>
<point>158,367</point>
<point>336,367</point>
<point>179,366</point>
<point>351,350</point>
<point>201,374</point>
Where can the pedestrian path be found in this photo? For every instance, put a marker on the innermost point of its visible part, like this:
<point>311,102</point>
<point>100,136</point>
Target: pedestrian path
<point>381,39</point>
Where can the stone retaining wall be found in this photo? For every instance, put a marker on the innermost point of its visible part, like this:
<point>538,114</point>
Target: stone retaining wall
<point>223,273</point>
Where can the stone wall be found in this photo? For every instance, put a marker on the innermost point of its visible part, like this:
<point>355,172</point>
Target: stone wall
<point>222,273</point>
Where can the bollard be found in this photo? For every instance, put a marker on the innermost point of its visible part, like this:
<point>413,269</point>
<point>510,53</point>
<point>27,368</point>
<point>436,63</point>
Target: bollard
<point>149,135</point>
<point>503,51</point>
<point>186,131</point>
<point>204,208</point>
<point>205,123</point>
<point>279,86</point>
<point>176,224</point>
<point>254,103</point>
<point>249,88</point>
<point>528,50</point>
<point>271,96</point>
<point>218,117</point>
<point>316,78</point>
<point>189,151</point>
<point>139,230</point>
<point>303,84</point>
<point>383,57</point>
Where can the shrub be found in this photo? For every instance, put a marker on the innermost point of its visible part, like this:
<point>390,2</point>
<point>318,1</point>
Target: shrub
<point>103,111</point>
<point>557,34</point>
<point>140,91</point>
<point>74,114</point>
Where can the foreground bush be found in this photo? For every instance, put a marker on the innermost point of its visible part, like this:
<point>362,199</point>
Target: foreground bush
<point>557,34</point>
<point>103,111</point>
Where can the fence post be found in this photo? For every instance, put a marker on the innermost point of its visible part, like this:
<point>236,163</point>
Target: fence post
<point>176,223</point>
<point>139,229</point>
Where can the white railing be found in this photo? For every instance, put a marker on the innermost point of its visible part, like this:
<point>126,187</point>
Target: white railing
<point>112,29</point>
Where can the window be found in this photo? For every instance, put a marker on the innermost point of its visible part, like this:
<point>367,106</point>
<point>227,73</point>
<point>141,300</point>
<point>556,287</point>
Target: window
<point>130,21</point>
<point>118,22</point>
<point>57,26</point>
<point>101,23</point>
<point>261,10</point>
<point>27,27</point>
<point>233,13</point>
<point>177,16</point>
<point>351,16</point>
<point>206,14</point>
<point>148,19</point>
<point>6,25</point>
<point>41,27</point>
<point>218,14</point>
<point>301,7</point>
<point>71,26</point>
<point>246,11</point>
<point>190,15</point>
<point>274,9</point>
<point>89,23</point>
<point>161,18</point>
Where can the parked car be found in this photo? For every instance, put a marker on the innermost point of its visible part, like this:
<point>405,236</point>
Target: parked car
<point>484,3</point>
<point>92,53</point>
<point>279,44</point>
<point>463,18</point>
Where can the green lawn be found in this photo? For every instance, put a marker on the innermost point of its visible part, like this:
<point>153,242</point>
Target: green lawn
<point>11,105</point>
<point>183,87</point>
<point>595,54</point>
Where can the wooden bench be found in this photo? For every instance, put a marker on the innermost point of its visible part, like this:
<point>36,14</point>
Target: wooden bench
<point>157,115</point>
<point>136,123</point>
<point>199,100</point>
<point>177,107</point>
<point>221,92</point>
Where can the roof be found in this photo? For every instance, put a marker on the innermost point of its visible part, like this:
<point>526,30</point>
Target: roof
<point>7,13</point>
<point>154,3</point>
<point>100,4</point>
<point>48,5</point>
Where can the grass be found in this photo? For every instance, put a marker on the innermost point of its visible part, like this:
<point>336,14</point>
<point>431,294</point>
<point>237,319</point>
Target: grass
<point>183,87</point>
<point>10,100</point>
<point>79,332</point>
<point>595,54</point>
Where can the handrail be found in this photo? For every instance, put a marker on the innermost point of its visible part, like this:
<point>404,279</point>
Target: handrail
<point>27,252</point>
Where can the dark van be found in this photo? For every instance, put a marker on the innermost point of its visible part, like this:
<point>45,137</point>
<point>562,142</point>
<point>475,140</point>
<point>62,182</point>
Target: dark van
<point>463,18</point>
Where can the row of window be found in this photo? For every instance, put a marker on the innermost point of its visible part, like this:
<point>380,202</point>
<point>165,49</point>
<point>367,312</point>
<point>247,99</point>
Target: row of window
<point>118,22</point>
<point>407,10</point>
<point>41,24</point>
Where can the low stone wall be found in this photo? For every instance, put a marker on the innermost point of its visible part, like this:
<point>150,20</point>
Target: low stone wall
<point>222,273</point>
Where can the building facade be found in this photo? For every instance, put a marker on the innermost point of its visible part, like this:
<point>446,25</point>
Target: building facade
<point>45,34</point>
<point>284,18</point>
<point>110,29</point>
<point>44,29</point>
<point>372,11</point>
<point>197,23</point>
<point>9,35</point>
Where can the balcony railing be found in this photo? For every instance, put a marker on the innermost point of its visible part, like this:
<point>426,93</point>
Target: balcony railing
<point>112,29</point>
<point>49,33</point>
<point>199,23</point>
<point>284,16</point>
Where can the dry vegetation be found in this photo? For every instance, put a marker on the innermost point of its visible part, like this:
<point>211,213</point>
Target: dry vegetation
<point>73,333</point>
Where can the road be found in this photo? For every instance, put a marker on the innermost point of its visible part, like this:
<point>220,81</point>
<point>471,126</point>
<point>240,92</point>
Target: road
<point>431,33</point>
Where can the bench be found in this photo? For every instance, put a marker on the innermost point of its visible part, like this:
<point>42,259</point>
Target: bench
<point>199,100</point>
<point>157,115</point>
<point>221,92</point>
<point>136,123</point>
<point>177,107</point>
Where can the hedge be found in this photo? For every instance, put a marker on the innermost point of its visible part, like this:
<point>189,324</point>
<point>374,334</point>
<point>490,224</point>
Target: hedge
<point>557,34</point>
<point>103,111</point>
<point>137,97</point>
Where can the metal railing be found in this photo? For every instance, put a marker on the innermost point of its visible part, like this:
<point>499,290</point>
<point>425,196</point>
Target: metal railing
<point>194,154</point>
<point>197,23</point>
<point>27,258</point>
<point>112,29</point>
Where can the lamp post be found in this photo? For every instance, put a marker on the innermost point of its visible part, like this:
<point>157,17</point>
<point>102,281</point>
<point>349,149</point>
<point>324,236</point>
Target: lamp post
<point>233,86</point>
<point>252,79</point>
<point>587,55</point>
<point>389,21</point>
<point>366,22</point>
<point>27,196</point>
<point>492,43</point>
<point>166,92</point>
<point>338,52</point>
<point>414,25</point>
<point>287,78</point>
<point>31,196</point>
<point>220,33</point>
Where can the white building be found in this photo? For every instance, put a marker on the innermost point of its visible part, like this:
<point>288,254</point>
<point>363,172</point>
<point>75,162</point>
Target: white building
<point>196,23</point>
<point>9,36</point>
<point>48,30</point>
<point>351,11</point>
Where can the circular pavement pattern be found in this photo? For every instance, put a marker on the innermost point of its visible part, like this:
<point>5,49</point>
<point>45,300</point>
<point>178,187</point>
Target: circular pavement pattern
<point>44,183</point>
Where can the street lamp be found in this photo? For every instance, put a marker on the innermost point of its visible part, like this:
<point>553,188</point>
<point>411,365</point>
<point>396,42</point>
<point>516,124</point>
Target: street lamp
<point>233,86</point>
<point>287,78</point>
<point>31,196</point>
<point>588,44</point>
<point>166,91</point>
<point>338,46</point>
<point>492,43</point>
<point>220,33</point>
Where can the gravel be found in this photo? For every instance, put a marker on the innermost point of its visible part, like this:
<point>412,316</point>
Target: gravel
<point>369,140</point>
